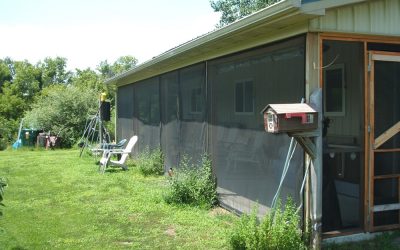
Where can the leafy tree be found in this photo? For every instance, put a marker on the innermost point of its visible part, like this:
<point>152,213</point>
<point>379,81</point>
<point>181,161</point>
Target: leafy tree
<point>7,130</point>
<point>105,69</point>
<point>5,73</point>
<point>26,81</point>
<point>63,110</point>
<point>108,70</point>
<point>12,105</point>
<point>233,10</point>
<point>18,92</point>
<point>53,71</point>
<point>122,64</point>
<point>87,78</point>
<point>20,85</point>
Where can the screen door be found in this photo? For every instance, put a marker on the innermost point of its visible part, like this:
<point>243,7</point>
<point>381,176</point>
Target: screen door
<point>384,128</point>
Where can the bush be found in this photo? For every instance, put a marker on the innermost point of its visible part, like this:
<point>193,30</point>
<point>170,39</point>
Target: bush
<point>194,185</point>
<point>245,232</point>
<point>3,144</point>
<point>8,132</point>
<point>150,162</point>
<point>278,230</point>
<point>63,110</point>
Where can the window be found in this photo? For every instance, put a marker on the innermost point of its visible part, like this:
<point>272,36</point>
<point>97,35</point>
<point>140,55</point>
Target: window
<point>196,101</point>
<point>334,94</point>
<point>244,100</point>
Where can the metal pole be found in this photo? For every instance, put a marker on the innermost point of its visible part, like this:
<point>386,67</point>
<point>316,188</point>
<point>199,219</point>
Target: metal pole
<point>100,125</point>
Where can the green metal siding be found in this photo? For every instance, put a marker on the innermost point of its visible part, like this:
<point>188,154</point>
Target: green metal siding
<point>371,17</point>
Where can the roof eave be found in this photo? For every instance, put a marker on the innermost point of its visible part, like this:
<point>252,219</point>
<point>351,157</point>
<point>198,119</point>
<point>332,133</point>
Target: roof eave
<point>266,14</point>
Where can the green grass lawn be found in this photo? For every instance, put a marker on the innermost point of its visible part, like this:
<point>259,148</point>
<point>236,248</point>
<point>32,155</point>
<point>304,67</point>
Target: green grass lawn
<point>56,200</point>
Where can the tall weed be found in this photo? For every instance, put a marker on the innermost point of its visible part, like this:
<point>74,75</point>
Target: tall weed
<point>245,234</point>
<point>150,162</point>
<point>279,229</point>
<point>192,184</point>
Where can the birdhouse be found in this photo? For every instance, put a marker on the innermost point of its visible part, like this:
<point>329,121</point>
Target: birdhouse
<point>293,117</point>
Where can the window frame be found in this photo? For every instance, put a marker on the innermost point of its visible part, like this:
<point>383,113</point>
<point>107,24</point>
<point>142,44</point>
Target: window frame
<point>342,112</point>
<point>244,81</point>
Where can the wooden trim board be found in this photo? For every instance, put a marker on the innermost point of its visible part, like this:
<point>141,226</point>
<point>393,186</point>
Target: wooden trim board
<point>385,136</point>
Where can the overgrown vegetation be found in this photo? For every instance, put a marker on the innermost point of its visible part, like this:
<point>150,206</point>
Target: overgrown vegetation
<point>150,162</point>
<point>192,184</point>
<point>277,230</point>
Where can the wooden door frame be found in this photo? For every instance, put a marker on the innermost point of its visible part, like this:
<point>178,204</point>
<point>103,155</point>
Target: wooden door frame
<point>380,56</point>
<point>365,39</point>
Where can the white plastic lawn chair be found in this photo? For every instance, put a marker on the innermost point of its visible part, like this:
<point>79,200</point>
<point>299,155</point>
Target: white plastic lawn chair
<point>107,154</point>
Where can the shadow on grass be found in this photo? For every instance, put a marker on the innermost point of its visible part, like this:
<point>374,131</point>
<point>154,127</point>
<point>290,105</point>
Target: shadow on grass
<point>113,170</point>
<point>19,248</point>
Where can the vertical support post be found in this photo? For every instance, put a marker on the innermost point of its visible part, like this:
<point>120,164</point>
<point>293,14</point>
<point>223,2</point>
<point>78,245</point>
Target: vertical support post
<point>100,126</point>
<point>115,117</point>
<point>316,176</point>
<point>101,100</point>
<point>307,201</point>
<point>313,194</point>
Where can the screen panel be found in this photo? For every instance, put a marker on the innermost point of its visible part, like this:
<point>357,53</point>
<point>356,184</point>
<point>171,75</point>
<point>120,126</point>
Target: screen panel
<point>249,162</point>
<point>125,112</point>
<point>193,127</point>
<point>147,114</point>
<point>170,135</point>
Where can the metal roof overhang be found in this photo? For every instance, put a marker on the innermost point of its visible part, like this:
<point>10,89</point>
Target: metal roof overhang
<point>279,21</point>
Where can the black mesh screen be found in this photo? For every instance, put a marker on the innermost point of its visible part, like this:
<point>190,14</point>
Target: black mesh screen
<point>387,90</point>
<point>193,99</point>
<point>170,118</point>
<point>125,112</point>
<point>147,114</point>
<point>186,116</point>
<point>248,161</point>
<point>183,114</point>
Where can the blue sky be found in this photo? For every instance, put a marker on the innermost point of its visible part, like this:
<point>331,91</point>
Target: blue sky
<point>89,31</point>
